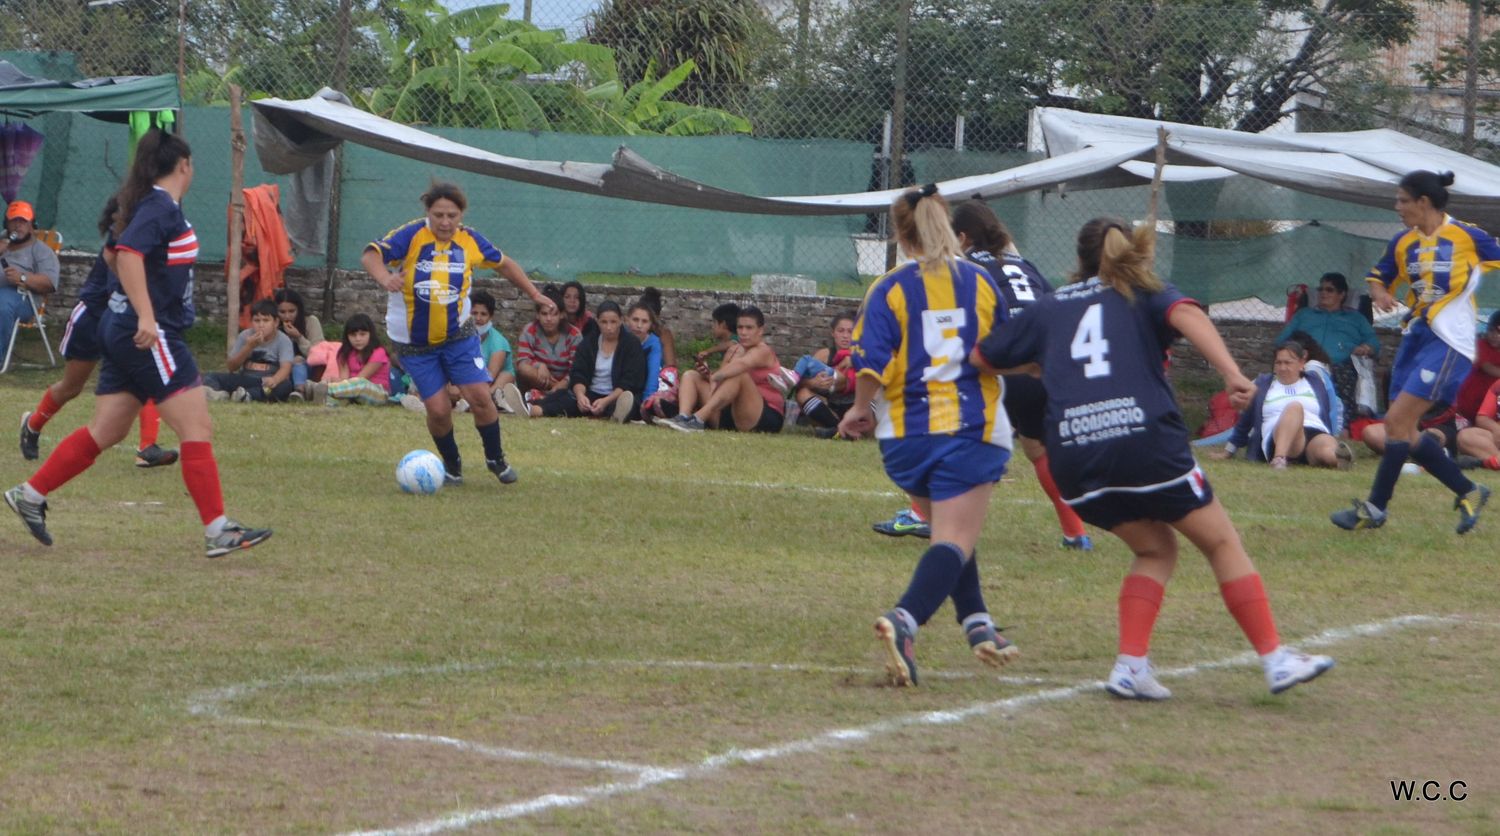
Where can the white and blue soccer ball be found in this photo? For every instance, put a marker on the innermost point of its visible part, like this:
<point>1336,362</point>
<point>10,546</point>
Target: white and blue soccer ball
<point>420,472</point>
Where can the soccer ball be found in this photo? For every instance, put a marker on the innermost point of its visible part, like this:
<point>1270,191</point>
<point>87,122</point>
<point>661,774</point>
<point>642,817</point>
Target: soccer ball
<point>420,472</point>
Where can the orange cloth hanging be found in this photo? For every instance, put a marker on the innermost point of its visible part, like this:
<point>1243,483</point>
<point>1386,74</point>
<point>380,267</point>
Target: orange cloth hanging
<point>265,249</point>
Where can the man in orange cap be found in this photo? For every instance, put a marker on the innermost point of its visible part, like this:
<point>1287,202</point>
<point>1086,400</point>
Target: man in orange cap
<point>28,264</point>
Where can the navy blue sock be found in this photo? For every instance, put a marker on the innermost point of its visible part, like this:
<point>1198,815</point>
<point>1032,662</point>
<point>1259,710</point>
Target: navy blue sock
<point>937,573</point>
<point>1429,454</point>
<point>448,449</point>
<point>490,433</point>
<point>968,598</point>
<point>1387,472</point>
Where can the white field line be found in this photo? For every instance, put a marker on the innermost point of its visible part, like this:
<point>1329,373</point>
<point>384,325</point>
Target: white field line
<point>835,738</point>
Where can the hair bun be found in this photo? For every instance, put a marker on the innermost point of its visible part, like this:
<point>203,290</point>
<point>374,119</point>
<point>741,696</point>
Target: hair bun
<point>1446,178</point>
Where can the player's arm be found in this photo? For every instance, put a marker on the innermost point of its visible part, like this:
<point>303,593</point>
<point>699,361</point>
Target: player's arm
<point>132,273</point>
<point>513,273</point>
<point>1382,277</point>
<point>1193,324</point>
<point>373,261</point>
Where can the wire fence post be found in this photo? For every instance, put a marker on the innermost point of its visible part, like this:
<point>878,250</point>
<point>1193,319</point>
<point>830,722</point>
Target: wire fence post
<point>1471,76</point>
<point>898,113</point>
<point>236,217</point>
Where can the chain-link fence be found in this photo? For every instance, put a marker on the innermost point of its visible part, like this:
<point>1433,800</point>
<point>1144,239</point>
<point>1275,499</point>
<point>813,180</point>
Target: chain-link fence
<point>782,97</point>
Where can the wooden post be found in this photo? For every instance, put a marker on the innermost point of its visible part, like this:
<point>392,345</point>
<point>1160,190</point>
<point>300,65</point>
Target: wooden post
<point>236,216</point>
<point>898,113</point>
<point>1161,163</point>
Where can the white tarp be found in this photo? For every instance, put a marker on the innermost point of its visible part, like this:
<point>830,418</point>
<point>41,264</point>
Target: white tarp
<point>1084,151</point>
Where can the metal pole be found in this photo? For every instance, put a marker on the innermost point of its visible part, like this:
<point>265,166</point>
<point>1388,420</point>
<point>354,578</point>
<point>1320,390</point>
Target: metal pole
<point>804,14</point>
<point>335,191</point>
<point>526,11</point>
<point>236,216</point>
<point>898,111</point>
<point>1471,77</point>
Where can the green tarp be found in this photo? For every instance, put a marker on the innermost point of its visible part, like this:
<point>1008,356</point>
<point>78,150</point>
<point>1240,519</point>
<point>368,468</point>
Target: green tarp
<point>104,98</point>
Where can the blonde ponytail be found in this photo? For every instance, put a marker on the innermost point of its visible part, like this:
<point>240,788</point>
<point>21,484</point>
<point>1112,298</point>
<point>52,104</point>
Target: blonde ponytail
<point>920,218</point>
<point>1121,259</point>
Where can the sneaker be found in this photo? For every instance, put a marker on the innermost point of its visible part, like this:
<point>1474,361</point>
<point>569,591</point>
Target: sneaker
<point>1287,668</point>
<point>826,433</point>
<point>1129,683</point>
<point>1278,463</point>
<point>154,456</point>
<point>1468,506</point>
<point>29,439</point>
<point>318,393</point>
<point>623,405</point>
<point>503,471</point>
<point>1081,543</point>
<point>684,424</point>
<point>990,647</point>
<point>454,476</point>
<point>1468,462</point>
<point>241,395</point>
<point>510,398</point>
<point>1345,455</point>
<point>413,403</point>
<point>904,523</point>
<point>1362,515</point>
<point>216,394</point>
<point>235,537</point>
<point>34,514</point>
<point>900,663</point>
<point>295,395</point>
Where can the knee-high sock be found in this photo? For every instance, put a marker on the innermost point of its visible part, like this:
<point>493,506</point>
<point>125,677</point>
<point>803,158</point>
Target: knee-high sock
<point>150,424</point>
<point>200,472</point>
<point>1140,601</point>
<point>1247,602</point>
<point>820,413</point>
<point>490,435</point>
<point>1387,472</point>
<point>73,456</point>
<point>448,449</point>
<point>1072,526</point>
<point>936,575</point>
<point>1429,454</point>
<point>45,409</point>
<point>968,598</point>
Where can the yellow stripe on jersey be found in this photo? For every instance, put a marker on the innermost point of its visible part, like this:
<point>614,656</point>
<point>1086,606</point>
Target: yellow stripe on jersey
<point>942,395</point>
<point>989,385</point>
<point>894,375</point>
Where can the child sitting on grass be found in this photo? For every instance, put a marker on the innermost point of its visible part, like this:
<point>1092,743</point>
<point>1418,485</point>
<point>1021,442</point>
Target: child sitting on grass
<point>364,369</point>
<point>260,363</point>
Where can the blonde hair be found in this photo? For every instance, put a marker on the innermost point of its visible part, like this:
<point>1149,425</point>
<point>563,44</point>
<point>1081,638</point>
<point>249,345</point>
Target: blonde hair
<point>1119,256</point>
<point>920,218</point>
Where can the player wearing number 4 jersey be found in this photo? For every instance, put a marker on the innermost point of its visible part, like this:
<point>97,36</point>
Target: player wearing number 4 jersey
<point>1119,446</point>
<point>944,438</point>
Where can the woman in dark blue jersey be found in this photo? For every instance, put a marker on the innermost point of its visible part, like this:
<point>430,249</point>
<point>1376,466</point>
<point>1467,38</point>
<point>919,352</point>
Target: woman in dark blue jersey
<point>80,347</point>
<point>144,354</point>
<point>944,437</point>
<point>1118,445</point>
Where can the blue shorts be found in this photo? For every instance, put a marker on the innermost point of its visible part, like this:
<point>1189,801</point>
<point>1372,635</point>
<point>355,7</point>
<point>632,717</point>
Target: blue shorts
<point>1166,503</point>
<point>459,362</point>
<point>80,339</point>
<point>1427,367</point>
<point>940,467</point>
<point>155,374</point>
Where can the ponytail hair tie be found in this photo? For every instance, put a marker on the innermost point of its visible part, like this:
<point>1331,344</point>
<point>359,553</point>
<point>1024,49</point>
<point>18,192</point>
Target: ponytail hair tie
<point>914,197</point>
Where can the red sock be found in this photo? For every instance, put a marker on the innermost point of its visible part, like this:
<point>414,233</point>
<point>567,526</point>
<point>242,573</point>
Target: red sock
<point>917,512</point>
<point>73,456</point>
<point>1247,602</point>
<point>1492,463</point>
<point>201,475</point>
<point>150,424</point>
<point>1072,526</point>
<point>1140,601</point>
<point>45,409</point>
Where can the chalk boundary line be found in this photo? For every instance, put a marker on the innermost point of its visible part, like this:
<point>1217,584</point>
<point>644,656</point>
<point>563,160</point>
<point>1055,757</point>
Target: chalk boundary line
<point>212,704</point>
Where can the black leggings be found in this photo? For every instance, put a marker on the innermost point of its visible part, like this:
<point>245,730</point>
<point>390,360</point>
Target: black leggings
<point>230,381</point>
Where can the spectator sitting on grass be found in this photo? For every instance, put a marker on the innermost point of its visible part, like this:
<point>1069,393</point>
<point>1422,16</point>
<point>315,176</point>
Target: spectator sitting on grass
<point>722,329</point>
<point>1291,416</point>
<point>608,375</point>
<point>363,372</point>
<point>742,395</point>
<point>651,297</point>
<point>498,357</point>
<point>641,320</point>
<point>545,349</point>
<point>825,385</point>
<point>302,328</point>
<point>576,309</point>
<point>260,363</point>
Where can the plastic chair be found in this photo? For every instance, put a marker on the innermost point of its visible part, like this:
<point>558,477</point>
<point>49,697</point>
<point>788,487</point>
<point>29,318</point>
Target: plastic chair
<point>38,323</point>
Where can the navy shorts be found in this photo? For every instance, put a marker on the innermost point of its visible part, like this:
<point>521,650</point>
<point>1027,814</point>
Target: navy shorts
<point>940,467</point>
<point>80,339</point>
<point>770,420</point>
<point>1025,403</point>
<point>1427,367</point>
<point>1166,503</point>
<point>459,362</point>
<point>155,374</point>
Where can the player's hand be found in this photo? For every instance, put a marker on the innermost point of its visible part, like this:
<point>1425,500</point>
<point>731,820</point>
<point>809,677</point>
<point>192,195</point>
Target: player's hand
<point>545,305</point>
<point>1382,298</point>
<point>1240,390</point>
<point>390,281</point>
<point>146,334</point>
<point>858,422</point>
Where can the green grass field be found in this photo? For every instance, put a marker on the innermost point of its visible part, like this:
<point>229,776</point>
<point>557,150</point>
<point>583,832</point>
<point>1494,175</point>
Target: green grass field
<point>656,632</point>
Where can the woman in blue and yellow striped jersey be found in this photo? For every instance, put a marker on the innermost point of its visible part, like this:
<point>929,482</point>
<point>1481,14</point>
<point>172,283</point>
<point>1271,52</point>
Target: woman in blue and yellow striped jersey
<point>428,266</point>
<point>944,437</point>
<point>1440,260</point>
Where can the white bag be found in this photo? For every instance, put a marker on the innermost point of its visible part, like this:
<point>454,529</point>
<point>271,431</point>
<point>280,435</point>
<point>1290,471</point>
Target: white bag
<point>1364,390</point>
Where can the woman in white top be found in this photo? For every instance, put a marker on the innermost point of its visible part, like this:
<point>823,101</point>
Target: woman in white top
<point>1291,416</point>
